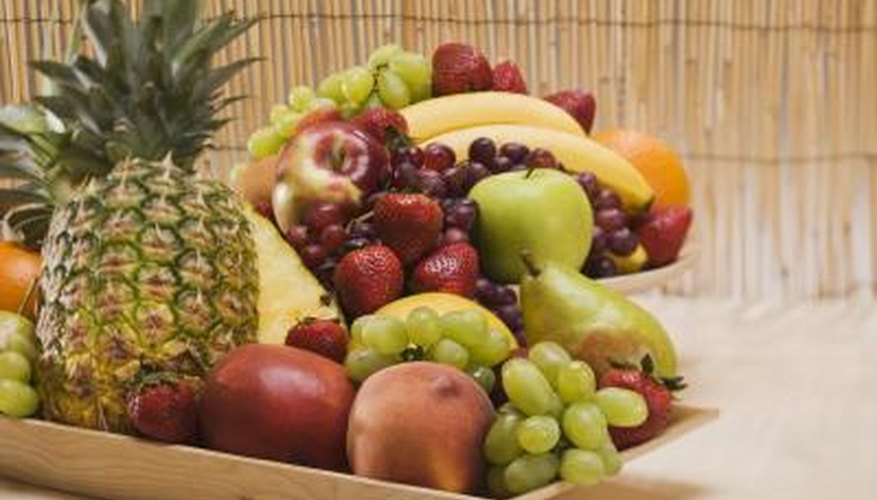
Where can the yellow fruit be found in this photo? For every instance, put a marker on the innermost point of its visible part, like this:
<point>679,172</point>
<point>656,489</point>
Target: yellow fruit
<point>288,292</point>
<point>443,303</point>
<point>577,153</point>
<point>631,263</point>
<point>432,117</point>
<point>658,162</point>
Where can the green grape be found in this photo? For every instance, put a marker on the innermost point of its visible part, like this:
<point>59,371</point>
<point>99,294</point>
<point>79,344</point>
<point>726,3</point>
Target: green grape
<point>17,399</point>
<point>622,407</point>
<point>363,362</point>
<point>466,326</point>
<point>529,472</point>
<point>484,376</point>
<point>287,124</point>
<point>23,344</point>
<point>412,68</point>
<point>381,56</point>
<point>448,352</point>
<point>321,102</point>
<point>585,425</point>
<point>372,102</point>
<point>423,326</point>
<point>421,92</point>
<point>356,328</point>
<point>493,351</point>
<point>358,84</point>
<point>549,357</point>
<point>385,334</point>
<point>265,142</point>
<point>612,463</point>
<point>300,98</point>
<point>392,90</point>
<point>538,434</point>
<point>576,382</point>
<point>496,482</point>
<point>331,87</point>
<point>14,366</point>
<point>277,111</point>
<point>581,467</point>
<point>501,443</point>
<point>528,389</point>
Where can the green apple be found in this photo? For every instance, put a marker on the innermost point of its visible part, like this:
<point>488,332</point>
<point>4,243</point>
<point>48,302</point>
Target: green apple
<point>543,211</point>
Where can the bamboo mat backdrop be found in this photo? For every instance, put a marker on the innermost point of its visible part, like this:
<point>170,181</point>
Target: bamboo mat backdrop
<point>773,105</point>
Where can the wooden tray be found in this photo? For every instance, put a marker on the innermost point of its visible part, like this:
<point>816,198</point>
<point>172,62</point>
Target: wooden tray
<point>115,466</point>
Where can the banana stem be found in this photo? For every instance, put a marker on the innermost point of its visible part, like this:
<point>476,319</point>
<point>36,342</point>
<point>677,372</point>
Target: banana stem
<point>529,263</point>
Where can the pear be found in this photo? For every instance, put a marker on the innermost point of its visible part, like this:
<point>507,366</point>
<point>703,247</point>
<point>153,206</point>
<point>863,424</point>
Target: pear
<point>594,323</point>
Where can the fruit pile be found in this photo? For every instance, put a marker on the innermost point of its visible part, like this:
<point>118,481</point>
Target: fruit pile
<point>372,281</point>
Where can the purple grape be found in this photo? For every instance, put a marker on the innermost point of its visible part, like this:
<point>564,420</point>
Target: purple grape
<point>474,173</point>
<point>438,157</point>
<point>510,314</point>
<point>610,219</point>
<point>355,244</point>
<point>405,175</point>
<point>485,291</point>
<point>505,295</point>
<point>332,237</point>
<point>363,229</point>
<point>430,183</point>
<point>455,235</point>
<point>462,216</point>
<point>297,236</point>
<point>518,167</point>
<point>541,158</point>
<point>501,164</point>
<point>482,150</point>
<point>601,267</point>
<point>455,181</point>
<point>623,242</point>
<point>599,241</point>
<point>589,183</point>
<point>606,198</point>
<point>411,154</point>
<point>514,151</point>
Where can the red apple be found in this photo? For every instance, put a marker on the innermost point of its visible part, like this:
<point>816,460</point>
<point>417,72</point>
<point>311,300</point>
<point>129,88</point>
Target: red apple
<point>334,162</point>
<point>279,403</point>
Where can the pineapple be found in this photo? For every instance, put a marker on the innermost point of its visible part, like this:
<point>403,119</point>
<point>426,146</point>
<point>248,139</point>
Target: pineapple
<point>147,267</point>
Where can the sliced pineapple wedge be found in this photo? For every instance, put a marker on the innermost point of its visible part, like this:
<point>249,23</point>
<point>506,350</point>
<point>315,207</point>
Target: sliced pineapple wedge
<point>288,292</point>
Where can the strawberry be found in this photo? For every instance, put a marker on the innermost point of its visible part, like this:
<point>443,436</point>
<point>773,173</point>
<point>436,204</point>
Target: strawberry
<point>367,279</point>
<point>507,77</point>
<point>451,269</point>
<point>408,223</point>
<point>164,408</point>
<point>580,104</point>
<point>657,393</point>
<point>459,68</point>
<point>662,233</point>
<point>326,337</point>
<point>381,123</point>
<point>316,117</point>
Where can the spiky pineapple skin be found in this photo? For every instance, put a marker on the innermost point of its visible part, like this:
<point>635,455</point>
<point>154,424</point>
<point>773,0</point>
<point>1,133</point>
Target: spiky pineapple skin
<point>148,270</point>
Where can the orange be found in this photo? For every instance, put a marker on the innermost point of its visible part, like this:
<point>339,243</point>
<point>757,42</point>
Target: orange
<point>19,270</point>
<point>656,160</point>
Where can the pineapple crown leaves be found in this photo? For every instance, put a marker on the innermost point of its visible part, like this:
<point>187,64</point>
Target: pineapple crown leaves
<point>149,89</point>
<point>148,92</point>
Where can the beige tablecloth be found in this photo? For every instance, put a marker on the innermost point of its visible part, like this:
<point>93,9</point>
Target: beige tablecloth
<point>796,389</point>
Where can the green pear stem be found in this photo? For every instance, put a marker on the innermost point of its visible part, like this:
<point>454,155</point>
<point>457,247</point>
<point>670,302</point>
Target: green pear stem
<point>529,172</point>
<point>529,263</point>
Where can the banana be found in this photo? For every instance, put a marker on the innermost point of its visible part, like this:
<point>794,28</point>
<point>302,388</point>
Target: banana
<point>578,153</point>
<point>432,117</point>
